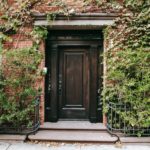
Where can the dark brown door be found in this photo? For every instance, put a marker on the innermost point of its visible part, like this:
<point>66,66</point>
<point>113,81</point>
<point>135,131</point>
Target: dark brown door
<point>73,83</point>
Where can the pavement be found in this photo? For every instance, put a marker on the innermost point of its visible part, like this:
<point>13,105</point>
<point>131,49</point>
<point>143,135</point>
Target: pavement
<point>8,145</point>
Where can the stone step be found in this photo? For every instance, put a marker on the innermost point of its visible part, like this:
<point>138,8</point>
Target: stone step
<point>72,136</point>
<point>135,139</point>
<point>73,125</point>
<point>9,137</point>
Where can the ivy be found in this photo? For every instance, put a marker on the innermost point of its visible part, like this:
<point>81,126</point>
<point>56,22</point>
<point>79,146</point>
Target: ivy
<point>38,34</point>
<point>19,72</point>
<point>18,90</point>
<point>128,61</point>
<point>51,17</point>
<point>128,76</point>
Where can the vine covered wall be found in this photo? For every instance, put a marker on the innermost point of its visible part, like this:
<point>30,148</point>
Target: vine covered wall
<point>127,77</point>
<point>128,61</point>
<point>16,24</point>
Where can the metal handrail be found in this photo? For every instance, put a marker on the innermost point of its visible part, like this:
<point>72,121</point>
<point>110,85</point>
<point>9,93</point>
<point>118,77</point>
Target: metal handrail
<point>117,125</point>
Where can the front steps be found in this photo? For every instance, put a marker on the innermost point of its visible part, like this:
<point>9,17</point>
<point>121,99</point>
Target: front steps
<point>73,131</point>
<point>73,125</point>
<point>12,138</point>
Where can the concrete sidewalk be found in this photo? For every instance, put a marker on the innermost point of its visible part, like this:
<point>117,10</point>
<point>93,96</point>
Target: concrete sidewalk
<point>72,146</point>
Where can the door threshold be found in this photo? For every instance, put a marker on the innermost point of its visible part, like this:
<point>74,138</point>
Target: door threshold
<point>77,120</point>
<point>73,125</point>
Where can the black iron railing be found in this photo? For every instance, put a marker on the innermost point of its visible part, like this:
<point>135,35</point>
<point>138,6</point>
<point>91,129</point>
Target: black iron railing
<point>117,125</point>
<point>24,129</point>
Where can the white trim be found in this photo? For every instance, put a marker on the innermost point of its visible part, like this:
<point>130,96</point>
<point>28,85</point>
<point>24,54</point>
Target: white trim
<point>77,20</point>
<point>100,23</point>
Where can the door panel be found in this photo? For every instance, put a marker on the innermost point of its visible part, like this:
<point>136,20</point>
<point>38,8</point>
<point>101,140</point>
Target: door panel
<point>73,82</point>
<point>73,100</point>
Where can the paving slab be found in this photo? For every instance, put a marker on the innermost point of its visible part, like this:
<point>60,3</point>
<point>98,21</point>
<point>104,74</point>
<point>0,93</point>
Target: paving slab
<point>70,146</point>
<point>4,146</point>
<point>113,147</point>
<point>25,146</point>
<point>66,147</point>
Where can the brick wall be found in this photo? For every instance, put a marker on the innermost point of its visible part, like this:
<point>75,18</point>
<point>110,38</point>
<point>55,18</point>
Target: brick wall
<point>25,41</point>
<point>42,84</point>
<point>21,40</point>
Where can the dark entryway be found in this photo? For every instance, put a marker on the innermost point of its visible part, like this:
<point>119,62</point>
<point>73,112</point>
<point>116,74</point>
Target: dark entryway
<point>73,83</point>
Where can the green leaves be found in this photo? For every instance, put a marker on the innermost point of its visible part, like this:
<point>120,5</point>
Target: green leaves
<point>19,74</point>
<point>128,63</point>
<point>38,34</point>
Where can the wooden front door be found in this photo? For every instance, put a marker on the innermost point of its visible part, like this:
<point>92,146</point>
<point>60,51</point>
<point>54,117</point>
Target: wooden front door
<point>73,81</point>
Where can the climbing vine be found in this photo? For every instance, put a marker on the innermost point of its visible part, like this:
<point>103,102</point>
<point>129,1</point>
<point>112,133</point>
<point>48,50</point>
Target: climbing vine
<point>127,56</point>
<point>18,89</point>
<point>19,69</point>
<point>128,62</point>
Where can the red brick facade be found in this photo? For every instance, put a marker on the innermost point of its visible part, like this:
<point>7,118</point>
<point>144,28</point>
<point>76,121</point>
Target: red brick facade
<point>21,40</point>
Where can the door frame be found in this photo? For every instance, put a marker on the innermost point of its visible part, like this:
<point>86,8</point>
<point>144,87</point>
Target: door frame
<point>95,109</point>
<point>78,21</point>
